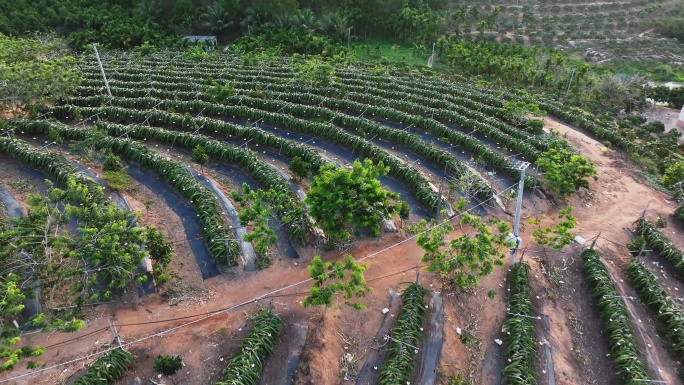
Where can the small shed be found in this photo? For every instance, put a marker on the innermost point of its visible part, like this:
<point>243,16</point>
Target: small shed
<point>201,39</point>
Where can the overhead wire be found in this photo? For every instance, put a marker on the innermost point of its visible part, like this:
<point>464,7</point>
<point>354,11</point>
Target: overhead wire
<point>208,315</point>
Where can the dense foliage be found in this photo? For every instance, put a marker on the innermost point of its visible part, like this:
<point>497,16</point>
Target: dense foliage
<point>341,200</point>
<point>245,368</point>
<point>667,313</point>
<point>565,171</point>
<point>519,327</point>
<point>661,244</point>
<point>168,365</point>
<point>33,72</point>
<point>611,305</point>
<point>107,369</point>
<point>406,333</point>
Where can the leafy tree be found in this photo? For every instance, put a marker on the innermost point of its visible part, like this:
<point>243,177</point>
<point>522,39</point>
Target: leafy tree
<point>112,163</point>
<point>315,72</point>
<point>557,235</point>
<point>221,93</point>
<point>329,279</point>
<point>339,198</point>
<point>219,16</point>
<point>565,171</point>
<point>465,259</point>
<point>674,174</point>
<point>168,365</point>
<point>199,156</point>
<point>300,168</point>
<point>33,73</point>
<point>159,249</point>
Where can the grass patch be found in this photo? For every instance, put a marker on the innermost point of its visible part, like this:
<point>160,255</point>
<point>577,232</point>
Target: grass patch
<point>118,180</point>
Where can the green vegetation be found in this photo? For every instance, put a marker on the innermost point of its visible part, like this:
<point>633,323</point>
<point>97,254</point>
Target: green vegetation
<point>674,174</point>
<point>168,365</point>
<point>161,252</point>
<point>117,180</point>
<point>519,328</point>
<point>300,168</point>
<point>620,335</point>
<point>339,199</point>
<point>329,279</point>
<point>466,258</point>
<point>565,171</point>
<point>661,244</point>
<point>199,156</point>
<point>34,72</point>
<point>107,369</point>
<point>557,235</point>
<point>406,333</point>
<point>245,368</point>
<point>256,208</point>
<point>668,315</point>
<point>111,163</point>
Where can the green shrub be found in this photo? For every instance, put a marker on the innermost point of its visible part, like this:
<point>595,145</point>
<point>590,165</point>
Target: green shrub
<point>112,163</point>
<point>655,127</point>
<point>168,365</point>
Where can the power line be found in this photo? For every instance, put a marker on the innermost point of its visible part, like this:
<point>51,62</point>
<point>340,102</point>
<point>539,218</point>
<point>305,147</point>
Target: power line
<point>254,300</point>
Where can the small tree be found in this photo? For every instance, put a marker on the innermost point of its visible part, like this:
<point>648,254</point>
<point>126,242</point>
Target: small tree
<point>168,365</point>
<point>338,198</point>
<point>465,259</point>
<point>404,211</point>
<point>315,73</point>
<point>565,171</point>
<point>112,163</point>
<point>300,168</point>
<point>200,156</point>
<point>329,279</point>
<point>557,235</point>
<point>159,249</point>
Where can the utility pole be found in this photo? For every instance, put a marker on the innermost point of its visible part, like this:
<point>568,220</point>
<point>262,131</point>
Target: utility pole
<point>349,37</point>
<point>112,328</point>
<point>572,76</point>
<point>520,166</point>
<point>97,55</point>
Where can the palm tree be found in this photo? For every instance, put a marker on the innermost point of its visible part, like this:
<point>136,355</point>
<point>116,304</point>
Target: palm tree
<point>217,19</point>
<point>306,20</point>
<point>283,21</point>
<point>252,18</point>
<point>334,24</point>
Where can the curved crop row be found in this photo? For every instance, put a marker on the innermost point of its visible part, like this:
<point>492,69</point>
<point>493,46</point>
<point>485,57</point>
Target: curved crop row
<point>520,347</point>
<point>204,201</point>
<point>413,142</point>
<point>458,110</point>
<point>661,244</point>
<point>406,333</point>
<point>667,313</point>
<point>623,345</point>
<point>412,178</point>
<point>245,368</point>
